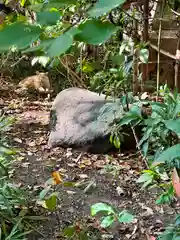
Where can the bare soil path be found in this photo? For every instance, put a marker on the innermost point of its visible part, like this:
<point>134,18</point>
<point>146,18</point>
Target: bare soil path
<point>99,178</point>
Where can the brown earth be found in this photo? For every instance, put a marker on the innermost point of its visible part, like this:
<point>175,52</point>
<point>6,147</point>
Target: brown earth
<point>116,187</point>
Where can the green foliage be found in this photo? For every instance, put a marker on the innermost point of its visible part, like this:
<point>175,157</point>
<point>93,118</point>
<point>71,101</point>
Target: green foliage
<point>48,18</point>
<point>18,36</point>
<point>95,31</point>
<point>160,146</point>
<point>172,232</point>
<point>144,55</point>
<point>13,200</point>
<point>104,6</point>
<point>111,214</point>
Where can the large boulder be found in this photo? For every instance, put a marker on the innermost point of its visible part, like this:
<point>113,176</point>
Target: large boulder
<point>80,118</point>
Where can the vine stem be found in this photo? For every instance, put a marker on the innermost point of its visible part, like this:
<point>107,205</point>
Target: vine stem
<point>158,58</point>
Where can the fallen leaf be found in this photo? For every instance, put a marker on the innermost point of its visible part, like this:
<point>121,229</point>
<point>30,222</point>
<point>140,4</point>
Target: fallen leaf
<point>83,176</point>
<point>57,177</point>
<point>69,152</point>
<point>18,140</point>
<point>176,182</point>
<point>25,164</point>
<point>31,144</point>
<point>99,164</point>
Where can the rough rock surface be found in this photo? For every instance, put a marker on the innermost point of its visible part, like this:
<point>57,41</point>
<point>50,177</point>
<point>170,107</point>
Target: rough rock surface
<point>80,118</point>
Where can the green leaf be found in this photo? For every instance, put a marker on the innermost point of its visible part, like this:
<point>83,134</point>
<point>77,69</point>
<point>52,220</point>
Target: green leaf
<point>136,111</point>
<point>144,55</point>
<point>69,231</point>
<point>169,154</point>
<point>22,2</point>
<point>51,202</point>
<point>173,125</point>
<point>48,18</point>
<point>125,217</point>
<point>147,134</point>
<point>99,207</point>
<point>60,45</point>
<point>56,4</point>
<point>44,192</point>
<point>177,222</point>
<point>116,142</point>
<point>107,221</point>
<point>95,31</point>
<point>18,35</point>
<point>104,6</point>
<point>118,59</point>
<point>41,47</point>
<point>127,119</point>
<point>145,148</point>
<point>164,198</point>
<point>145,177</point>
<point>59,4</point>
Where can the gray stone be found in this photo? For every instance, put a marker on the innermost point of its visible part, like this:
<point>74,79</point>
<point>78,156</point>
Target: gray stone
<point>80,118</point>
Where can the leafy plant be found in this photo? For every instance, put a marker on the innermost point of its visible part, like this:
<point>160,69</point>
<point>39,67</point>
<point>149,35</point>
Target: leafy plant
<point>172,232</point>
<point>160,148</point>
<point>111,215</point>
<point>13,200</point>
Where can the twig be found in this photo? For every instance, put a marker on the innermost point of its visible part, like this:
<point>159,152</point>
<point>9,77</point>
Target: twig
<point>14,64</point>
<point>137,144</point>
<point>176,67</point>
<point>74,74</point>
<point>135,62</point>
<point>158,58</point>
<point>135,135</point>
<point>145,39</point>
<point>163,51</point>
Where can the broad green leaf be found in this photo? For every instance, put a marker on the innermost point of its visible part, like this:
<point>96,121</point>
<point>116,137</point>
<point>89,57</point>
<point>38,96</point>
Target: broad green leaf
<point>145,177</point>
<point>136,111</point>
<point>104,6</point>
<point>18,35</point>
<point>127,119</point>
<point>99,207</point>
<point>169,154</point>
<point>48,18</point>
<point>147,134</point>
<point>44,192</point>
<point>95,31</point>
<point>56,4</point>
<point>144,55</point>
<point>125,217</point>
<point>173,125</point>
<point>69,231</point>
<point>60,45</point>
<point>59,4</point>
<point>51,202</point>
<point>41,47</point>
<point>107,221</point>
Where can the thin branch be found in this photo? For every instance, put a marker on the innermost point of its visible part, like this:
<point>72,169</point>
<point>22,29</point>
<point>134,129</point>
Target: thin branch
<point>163,51</point>
<point>176,67</point>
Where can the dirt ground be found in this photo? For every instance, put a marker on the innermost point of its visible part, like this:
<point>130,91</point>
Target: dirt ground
<point>101,178</point>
